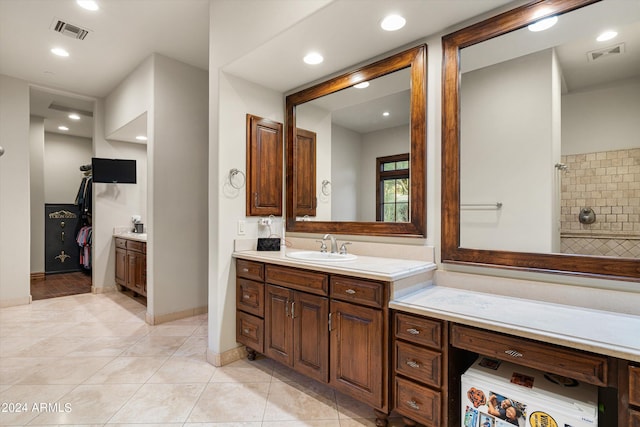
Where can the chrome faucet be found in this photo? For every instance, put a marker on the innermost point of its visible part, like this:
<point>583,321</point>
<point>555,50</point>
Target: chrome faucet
<point>334,243</point>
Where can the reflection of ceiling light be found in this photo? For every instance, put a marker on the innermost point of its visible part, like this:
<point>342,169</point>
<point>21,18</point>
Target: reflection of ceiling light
<point>313,58</point>
<point>607,35</point>
<point>59,51</point>
<point>392,22</point>
<point>386,114</point>
<point>361,85</point>
<point>543,24</point>
<point>88,4</point>
<point>74,116</point>
<point>141,138</point>
<point>64,128</point>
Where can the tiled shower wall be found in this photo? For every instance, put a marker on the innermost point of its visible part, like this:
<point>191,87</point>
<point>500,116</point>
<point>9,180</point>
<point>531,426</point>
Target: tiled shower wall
<point>609,183</point>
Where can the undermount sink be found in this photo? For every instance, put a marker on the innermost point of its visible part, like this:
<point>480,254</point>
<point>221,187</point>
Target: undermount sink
<point>321,256</point>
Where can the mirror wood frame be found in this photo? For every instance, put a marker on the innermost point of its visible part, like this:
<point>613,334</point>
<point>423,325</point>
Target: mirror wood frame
<point>582,265</point>
<point>416,58</point>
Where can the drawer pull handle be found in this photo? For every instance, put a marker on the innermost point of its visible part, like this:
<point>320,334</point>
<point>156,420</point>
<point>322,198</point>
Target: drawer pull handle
<point>413,331</point>
<point>246,296</point>
<point>245,330</point>
<point>245,270</point>
<point>513,353</point>
<point>413,404</point>
<point>350,291</point>
<point>413,363</point>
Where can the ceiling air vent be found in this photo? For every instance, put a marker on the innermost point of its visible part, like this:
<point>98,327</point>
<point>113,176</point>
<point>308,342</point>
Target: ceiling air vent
<point>68,29</point>
<point>601,53</point>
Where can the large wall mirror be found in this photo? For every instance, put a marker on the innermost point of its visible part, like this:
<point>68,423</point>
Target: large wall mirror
<point>541,146</point>
<point>356,145</point>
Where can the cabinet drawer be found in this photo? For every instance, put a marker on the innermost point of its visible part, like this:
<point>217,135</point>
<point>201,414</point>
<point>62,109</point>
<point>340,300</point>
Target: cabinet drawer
<point>303,280</point>
<point>634,385</point>
<point>121,243</point>
<point>250,270</point>
<point>133,245</point>
<point>418,363</point>
<point>250,296</point>
<point>418,330</point>
<point>358,291</point>
<point>576,364</point>
<point>417,402</point>
<point>250,331</point>
<point>634,418</point>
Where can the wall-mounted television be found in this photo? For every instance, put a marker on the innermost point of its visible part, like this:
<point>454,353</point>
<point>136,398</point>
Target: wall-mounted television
<point>113,171</point>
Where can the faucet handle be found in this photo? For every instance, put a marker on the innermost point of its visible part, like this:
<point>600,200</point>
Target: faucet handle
<point>343,248</point>
<point>323,245</point>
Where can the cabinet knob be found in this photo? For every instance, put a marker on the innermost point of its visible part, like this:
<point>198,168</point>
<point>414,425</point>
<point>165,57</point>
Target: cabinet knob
<point>245,270</point>
<point>412,363</point>
<point>413,331</point>
<point>514,353</point>
<point>413,404</point>
<point>246,296</point>
<point>350,291</point>
<point>245,330</point>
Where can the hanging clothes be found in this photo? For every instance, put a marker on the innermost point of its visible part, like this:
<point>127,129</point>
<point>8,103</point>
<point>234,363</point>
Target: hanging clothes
<point>84,239</point>
<point>84,197</point>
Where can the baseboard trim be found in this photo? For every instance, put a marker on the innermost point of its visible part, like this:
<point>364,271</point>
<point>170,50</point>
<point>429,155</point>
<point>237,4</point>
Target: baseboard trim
<point>229,356</point>
<point>38,276</point>
<point>169,317</point>
<point>103,289</point>
<point>15,302</point>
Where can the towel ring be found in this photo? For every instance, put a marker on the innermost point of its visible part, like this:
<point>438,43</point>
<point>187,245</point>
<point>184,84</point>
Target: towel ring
<point>232,174</point>
<point>326,187</point>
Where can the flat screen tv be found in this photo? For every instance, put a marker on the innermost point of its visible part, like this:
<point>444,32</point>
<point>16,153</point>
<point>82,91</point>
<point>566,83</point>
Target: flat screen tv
<point>113,171</point>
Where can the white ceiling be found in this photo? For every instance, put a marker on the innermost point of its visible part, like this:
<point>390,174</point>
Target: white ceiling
<point>260,40</point>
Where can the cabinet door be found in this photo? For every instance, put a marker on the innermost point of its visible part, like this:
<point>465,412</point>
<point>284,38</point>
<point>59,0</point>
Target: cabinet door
<point>264,167</point>
<point>305,173</point>
<point>131,270</point>
<point>311,335</point>
<point>357,349</point>
<point>140,277</point>
<point>121,266</point>
<point>278,340</point>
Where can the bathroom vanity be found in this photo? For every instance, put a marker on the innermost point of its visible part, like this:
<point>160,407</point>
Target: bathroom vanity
<point>378,330</point>
<point>131,262</point>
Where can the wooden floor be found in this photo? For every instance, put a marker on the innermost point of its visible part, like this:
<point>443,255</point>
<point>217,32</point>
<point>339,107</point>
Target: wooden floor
<point>61,284</point>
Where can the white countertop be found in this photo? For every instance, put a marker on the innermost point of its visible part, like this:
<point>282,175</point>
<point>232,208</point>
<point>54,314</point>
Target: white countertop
<point>140,237</point>
<point>367,267</point>
<point>597,331</point>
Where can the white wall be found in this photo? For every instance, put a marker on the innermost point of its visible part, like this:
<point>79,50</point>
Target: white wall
<point>346,155</point>
<point>178,202</point>
<point>63,156</point>
<point>386,142</point>
<point>238,97</point>
<point>601,118</point>
<point>14,192</point>
<point>504,159</point>
<point>36,186</point>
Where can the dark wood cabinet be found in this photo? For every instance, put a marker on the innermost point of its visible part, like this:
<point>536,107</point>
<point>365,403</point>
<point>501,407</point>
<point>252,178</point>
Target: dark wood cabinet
<point>634,395</point>
<point>305,173</point>
<point>264,167</point>
<point>131,265</point>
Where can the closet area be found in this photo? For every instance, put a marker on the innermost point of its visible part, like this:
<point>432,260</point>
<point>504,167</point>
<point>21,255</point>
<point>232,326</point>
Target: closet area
<point>61,146</point>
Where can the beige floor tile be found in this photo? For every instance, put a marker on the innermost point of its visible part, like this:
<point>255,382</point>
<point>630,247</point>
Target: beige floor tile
<point>202,331</point>
<point>160,403</point>
<point>89,404</point>
<point>178,370</point>
<point>155,346</point>
<point>127,370</point>
<point>299,423</point>
<point>68,370</point>
<point>371,422</point>
<point>14,369</point>
<point>238,424</point>
<point>104,346</point>
<point>231,402</point>
<point>53,346</point>
<point>349,407</point>
<point>22,398</point>
<point>244,371</point>
<point>173,330</point>
<point>193,346</point>
<point>14,346</point>
<point>295,401</point>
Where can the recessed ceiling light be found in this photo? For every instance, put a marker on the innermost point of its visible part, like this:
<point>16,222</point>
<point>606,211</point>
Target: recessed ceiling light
<point>141,138</point>
<point>88,4</point>
<point>543,24</point>
<point>392,22</point>
<point>313,58</point>
<point>74,116</point>
<point>386,114</point>
<point>607,35</point>
<point>361,85</point>
<point>64,128</point>
<point>59,51</point>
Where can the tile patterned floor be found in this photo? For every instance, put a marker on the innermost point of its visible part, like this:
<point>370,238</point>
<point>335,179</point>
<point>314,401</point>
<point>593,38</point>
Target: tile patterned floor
<point>92,360</point>
<point>61,284</point>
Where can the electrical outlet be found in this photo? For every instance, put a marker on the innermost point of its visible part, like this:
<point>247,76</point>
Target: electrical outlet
<point>241,227</point>
<point>264,221</point>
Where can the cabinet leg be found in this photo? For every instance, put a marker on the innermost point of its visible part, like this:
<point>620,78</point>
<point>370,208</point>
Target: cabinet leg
<point>409,423</point>
<point>381,418</point>
<point>251,354</point>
